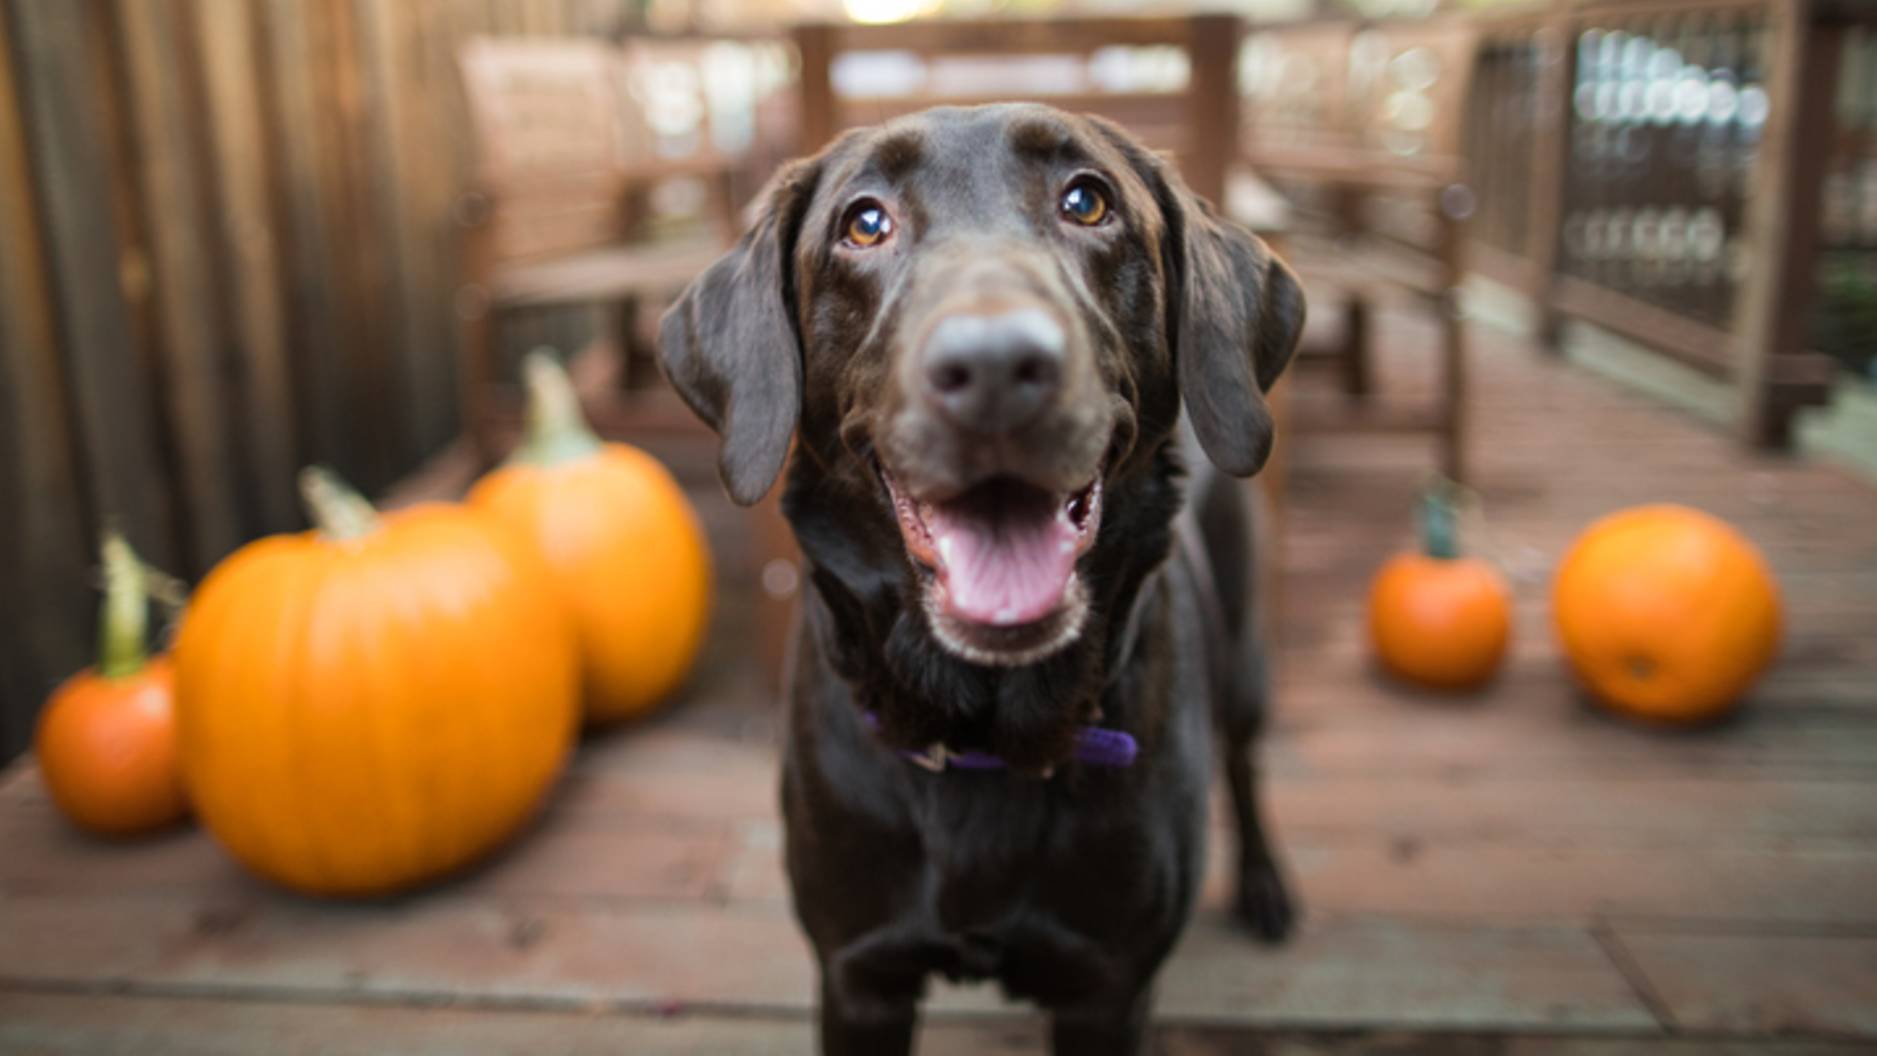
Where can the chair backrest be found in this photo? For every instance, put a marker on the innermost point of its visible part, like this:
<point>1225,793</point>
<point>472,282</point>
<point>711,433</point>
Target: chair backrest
<point>1166,79</point>
<point>551,141</point>
<point>669,118</point>
<point>1390,92</point>
<point>1364,120</point>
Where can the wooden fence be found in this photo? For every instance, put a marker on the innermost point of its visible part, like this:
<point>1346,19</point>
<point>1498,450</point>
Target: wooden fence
<point>1708,153</point>
<point>227,248</point>
<point>1678,171</point>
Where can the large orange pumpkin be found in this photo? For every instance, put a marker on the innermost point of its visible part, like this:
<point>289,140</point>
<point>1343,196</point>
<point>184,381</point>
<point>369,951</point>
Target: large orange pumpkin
<point>1666,613</point>
<point>627,553</point>
<point>106,741</point>
<point>1436,618</point>
<point>375,703</point>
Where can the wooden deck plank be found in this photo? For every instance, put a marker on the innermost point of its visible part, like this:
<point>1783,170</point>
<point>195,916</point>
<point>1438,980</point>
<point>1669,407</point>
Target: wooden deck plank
<point>648,955</point>
<point>1362,973</point>
<point>553,952</point>
<point>1761,984</point>
<point>62,1024</point>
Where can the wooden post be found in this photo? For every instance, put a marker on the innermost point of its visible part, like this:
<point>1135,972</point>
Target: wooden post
<point>814,45</point>
<point>1357,382</point>
<point>1553,114</point>
<point>1212,105</point>
<point>1454,205</point>
<point>1782,228</point>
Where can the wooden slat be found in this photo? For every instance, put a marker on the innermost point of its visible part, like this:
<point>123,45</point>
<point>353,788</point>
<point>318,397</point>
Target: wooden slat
<point>226,36</point>
<point>404,146</point>
<point>605,274</point>
<point>323,107</point>
<point>44,533</point>
<point>63,77</point>
<point>294,43</point>
<point>1696,344</point>
<point>189,289</point>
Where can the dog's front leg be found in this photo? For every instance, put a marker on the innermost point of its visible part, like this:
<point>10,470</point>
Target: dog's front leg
<point>866,1012</point>
<point>1116,1027</point>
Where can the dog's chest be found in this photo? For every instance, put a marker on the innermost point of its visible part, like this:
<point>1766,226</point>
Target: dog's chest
<point>1075,851</point>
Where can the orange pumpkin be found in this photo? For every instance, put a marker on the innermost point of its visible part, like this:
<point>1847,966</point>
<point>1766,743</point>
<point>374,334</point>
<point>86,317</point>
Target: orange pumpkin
<point>376,703</point>
<point>1436,618</point>
<point>624,544</point>
<point>106,741</point>
<point>1666,613</point>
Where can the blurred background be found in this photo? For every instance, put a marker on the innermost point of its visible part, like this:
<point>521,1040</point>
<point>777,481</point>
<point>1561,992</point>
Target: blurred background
<point>1574,254</point>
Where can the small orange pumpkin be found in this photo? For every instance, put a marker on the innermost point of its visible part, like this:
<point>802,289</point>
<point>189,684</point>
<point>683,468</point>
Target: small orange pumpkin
<point>106,742</point>
<point>626,551</point>
<point>376,703</point>
<point>1436,618</point>
<point>1666,613</point>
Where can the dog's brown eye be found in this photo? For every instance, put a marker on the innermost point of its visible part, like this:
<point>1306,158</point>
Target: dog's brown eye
<point>867,225</point>
<point>1085,204</point>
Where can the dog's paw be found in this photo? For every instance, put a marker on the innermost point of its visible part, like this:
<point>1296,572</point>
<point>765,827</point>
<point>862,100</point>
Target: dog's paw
<point>1264,903</point>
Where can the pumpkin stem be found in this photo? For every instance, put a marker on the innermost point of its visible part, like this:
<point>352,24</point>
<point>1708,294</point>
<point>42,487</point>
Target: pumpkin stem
<point>123,618</point>
<point>337,511</point>
<point>1440,523</point>
<point>557,431</point>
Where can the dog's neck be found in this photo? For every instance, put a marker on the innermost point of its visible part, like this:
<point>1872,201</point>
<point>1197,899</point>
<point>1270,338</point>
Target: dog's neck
<point>868,624</point>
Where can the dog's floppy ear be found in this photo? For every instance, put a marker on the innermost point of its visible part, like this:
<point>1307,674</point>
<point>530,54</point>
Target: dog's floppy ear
<point>731,347</point>
<point>1235,313</point>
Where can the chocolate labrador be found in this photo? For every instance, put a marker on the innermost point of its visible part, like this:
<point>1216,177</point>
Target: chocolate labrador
<point>978,327</point>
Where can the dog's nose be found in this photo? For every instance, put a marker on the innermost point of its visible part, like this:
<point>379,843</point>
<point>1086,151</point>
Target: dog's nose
<point>993,374</point>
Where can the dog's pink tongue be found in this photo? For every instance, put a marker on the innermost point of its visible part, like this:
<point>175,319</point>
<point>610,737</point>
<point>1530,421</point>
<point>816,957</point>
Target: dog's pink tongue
<point>1006,556</point>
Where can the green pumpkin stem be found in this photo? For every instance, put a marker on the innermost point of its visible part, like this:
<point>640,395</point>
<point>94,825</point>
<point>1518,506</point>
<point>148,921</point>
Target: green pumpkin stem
<point>123,620</point>
<point>557,431</point>
<point>337,511</point>
<point>1440,521</point>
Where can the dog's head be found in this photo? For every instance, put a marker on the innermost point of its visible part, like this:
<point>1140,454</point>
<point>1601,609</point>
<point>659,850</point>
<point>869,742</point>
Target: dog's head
<point>983,320</point>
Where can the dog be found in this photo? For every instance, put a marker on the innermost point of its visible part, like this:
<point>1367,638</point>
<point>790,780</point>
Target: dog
<point>992,338</point>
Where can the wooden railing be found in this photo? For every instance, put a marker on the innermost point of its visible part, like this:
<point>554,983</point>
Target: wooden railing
<point>1184,105</point>
<point>1676,171</point>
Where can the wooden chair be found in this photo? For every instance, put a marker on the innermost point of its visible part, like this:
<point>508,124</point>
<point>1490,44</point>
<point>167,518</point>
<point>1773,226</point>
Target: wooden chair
<point>1360,123</point>
<point>572,138</point>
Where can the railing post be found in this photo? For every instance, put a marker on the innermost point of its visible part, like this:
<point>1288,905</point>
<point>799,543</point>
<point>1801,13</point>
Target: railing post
<point>814,48</point>
<point>1212,101</point>
<point>1553,110</point>
<point>1774,310</point>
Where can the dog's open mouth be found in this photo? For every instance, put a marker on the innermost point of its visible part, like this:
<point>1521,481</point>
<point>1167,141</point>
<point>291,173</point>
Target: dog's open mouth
<point>1002,553</point>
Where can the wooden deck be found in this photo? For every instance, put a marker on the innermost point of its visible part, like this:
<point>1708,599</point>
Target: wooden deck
<point>1508,874</point>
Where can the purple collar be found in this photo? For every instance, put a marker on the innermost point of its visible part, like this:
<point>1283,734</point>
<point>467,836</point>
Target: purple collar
<point>1094,745</point>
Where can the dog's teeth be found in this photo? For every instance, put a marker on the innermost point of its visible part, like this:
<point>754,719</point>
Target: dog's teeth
<point>1066,545</point>
<point>945,547</point>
